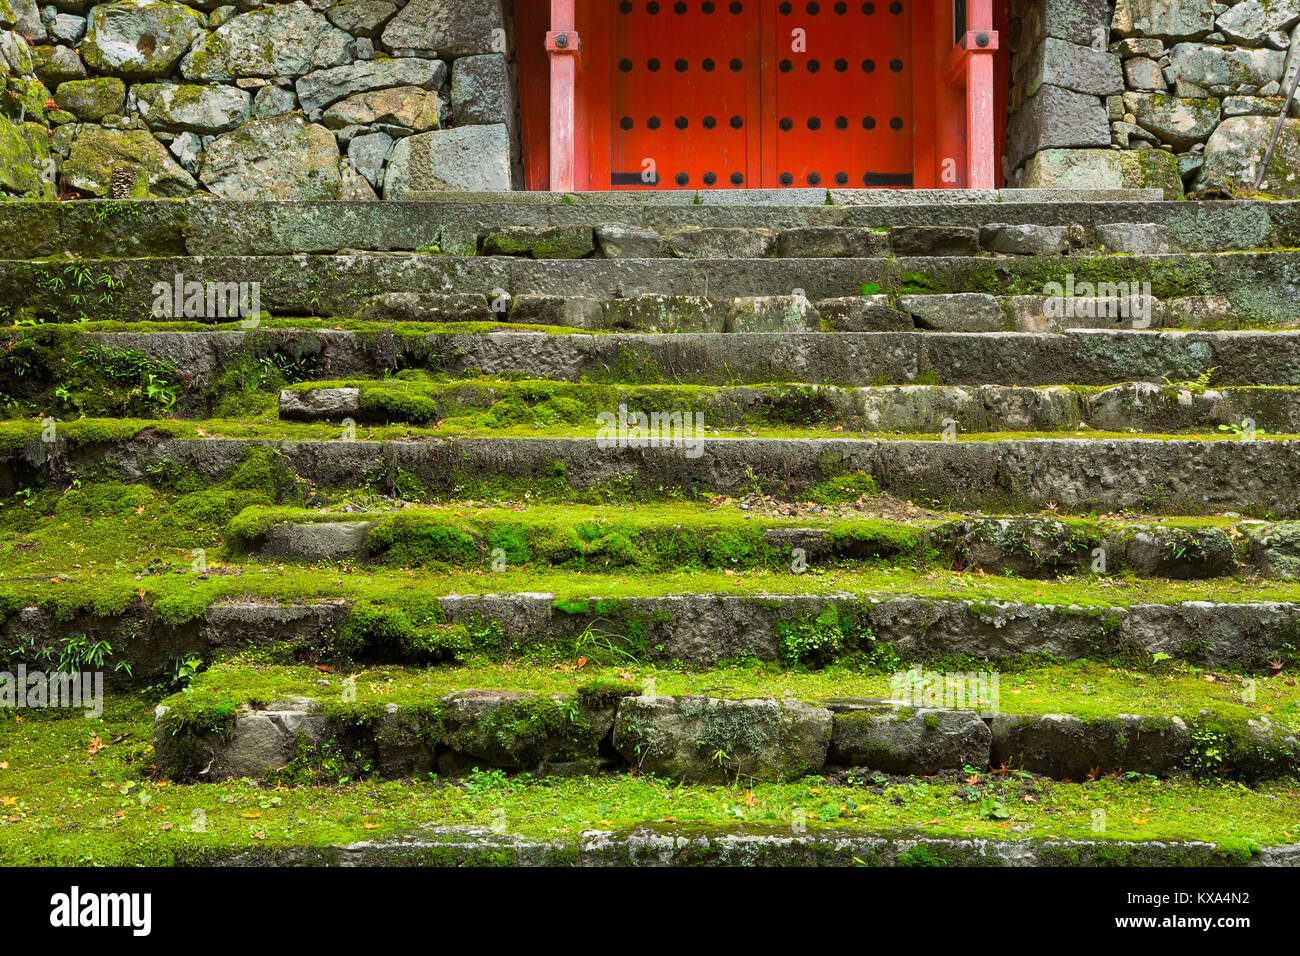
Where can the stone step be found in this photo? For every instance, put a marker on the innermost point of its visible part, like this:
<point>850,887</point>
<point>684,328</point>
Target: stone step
<point>1257,285</point>
<point>877,312</point>
<point>619,240</point>
<point>1136,406</point>
<point>701,739</point>
<point>1169,476</point>
<point>700,628</point>
<point>605,538</point>
<point>453,222</point>
<point>669,844</point>
<point>1080,357</point>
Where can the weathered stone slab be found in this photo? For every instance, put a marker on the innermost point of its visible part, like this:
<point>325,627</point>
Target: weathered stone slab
<point>1054,118</point>
<point>1076,67</point>
<point>1025,240</point>
<point>202,109</point>
<point>1104,168</point>
<point>1180,122</point>
<point>258,741</point>
<point>620,241</point>
<point>956,312</point>
<point>722,242</point>
<point>283,157</point>
<point>98,155</point>
<point>908,741</point>
<point>1208,66</point>
<point>863,313</point>
<point>448,28</point>
<point>1235,153</point>
<point>1165,19</point>
<point>286,40</point>
<point>481,91</point>
<point>321,88</point>
<point>704,739</point>
<point>139,39</point>
<point>472,158</point>
<point>934,240</point>
<point>772,313</point>
<point>831,243</point>
<point>1071,748</point>
<point>540,242</point>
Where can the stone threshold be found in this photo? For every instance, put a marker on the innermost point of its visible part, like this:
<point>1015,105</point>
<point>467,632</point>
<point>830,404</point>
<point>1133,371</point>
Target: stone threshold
<point>800,197</point>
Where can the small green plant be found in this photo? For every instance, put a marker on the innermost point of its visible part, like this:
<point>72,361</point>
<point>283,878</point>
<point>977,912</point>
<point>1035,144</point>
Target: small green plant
<point>1197,385</point>
<point>81,653</point>
<point>1241,432</point>
<point>812,641</point>
<point>994,808</point>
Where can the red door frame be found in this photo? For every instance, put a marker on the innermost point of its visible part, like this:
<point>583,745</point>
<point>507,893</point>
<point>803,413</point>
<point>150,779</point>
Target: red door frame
<point>970,64</point>
<point>563,167</point>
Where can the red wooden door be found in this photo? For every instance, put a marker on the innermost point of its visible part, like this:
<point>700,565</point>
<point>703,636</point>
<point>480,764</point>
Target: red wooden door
<point>683,78</point>
<point>732,93</point>
<point>838,94</point>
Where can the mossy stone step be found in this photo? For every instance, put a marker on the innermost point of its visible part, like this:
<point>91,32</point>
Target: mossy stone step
<point>605,539</point>
<point>1168,476</point>
<point>672,845</point>
<point>697,628</point>
<point>1081,357</point>
<point>451,222</point>
<point>1137,406</point>
<point>1255,284</point>
<point>697,739</point>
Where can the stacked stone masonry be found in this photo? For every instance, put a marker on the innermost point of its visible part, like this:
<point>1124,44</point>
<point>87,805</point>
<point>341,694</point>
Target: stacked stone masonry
<point>1180,94</point>
<point>332,99</point>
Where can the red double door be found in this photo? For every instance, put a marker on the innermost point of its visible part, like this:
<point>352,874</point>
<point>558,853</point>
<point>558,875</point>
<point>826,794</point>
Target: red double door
<point>760,93</point>
<point>699,94</point>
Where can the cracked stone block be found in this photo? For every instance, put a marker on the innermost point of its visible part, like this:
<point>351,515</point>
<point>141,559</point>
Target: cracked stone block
<point>703,739</point>
<point>722,242</point>
<point>540,242</point>
<point>1135,238</point>
<point>957,312</point>
<point>620,241</point>
<point>935,240</point>
<point>863,313</point>
<point>831,242</point>
<point>907,741</point>
<point>1025,240</point>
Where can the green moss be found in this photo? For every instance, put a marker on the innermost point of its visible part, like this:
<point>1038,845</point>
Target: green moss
<point>843,489</point>
<point>412,631</point>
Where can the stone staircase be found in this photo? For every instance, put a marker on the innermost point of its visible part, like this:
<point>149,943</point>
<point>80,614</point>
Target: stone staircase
<point>909,528</point>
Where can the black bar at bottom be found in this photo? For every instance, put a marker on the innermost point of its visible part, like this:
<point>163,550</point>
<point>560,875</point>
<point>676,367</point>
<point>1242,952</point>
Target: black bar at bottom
<point>632,179</point>
<point>887,179</point>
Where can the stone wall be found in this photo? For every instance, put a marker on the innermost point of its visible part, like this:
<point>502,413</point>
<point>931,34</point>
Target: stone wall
<point>1181,94</point>
<point>356,99</point>
<point>323,99</point>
